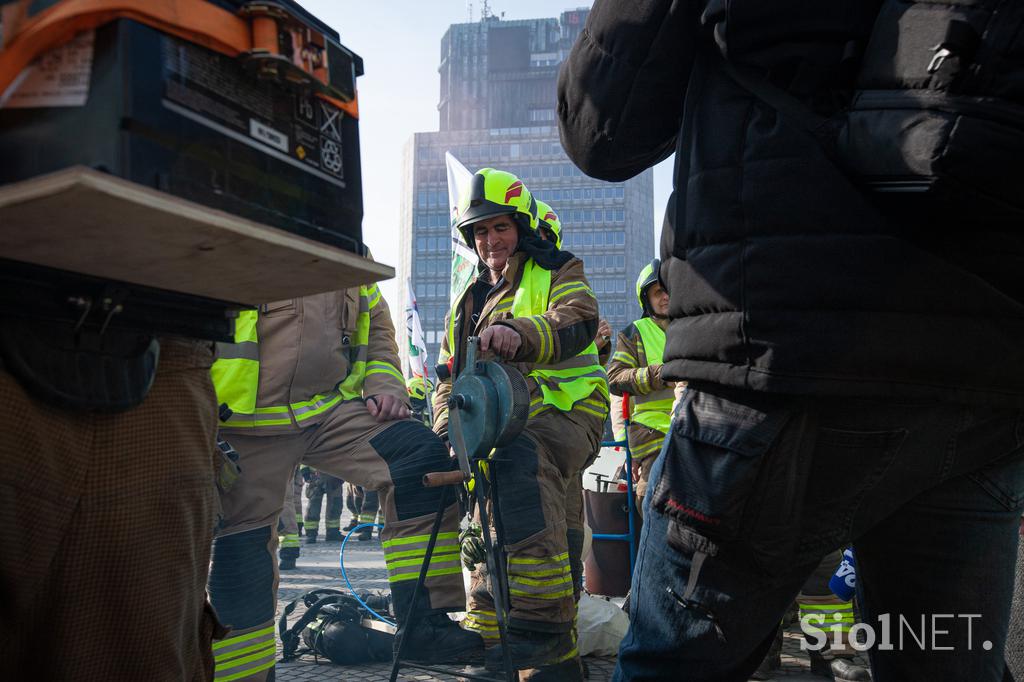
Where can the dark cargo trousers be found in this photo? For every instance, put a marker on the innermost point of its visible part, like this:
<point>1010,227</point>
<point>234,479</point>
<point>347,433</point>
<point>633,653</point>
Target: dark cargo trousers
<point>105,529</point>
<point>533,476</point>
<point>930,494</point>
<point>389,457</point>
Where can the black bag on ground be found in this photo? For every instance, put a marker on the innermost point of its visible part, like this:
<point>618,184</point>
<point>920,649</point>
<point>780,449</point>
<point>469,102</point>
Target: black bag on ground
<point>331,627</point>
<point>935,123</point>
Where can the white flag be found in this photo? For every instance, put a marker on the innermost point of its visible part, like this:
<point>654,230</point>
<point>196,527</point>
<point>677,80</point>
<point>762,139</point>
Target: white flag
<point>414,331</point>
<point>464,258</point>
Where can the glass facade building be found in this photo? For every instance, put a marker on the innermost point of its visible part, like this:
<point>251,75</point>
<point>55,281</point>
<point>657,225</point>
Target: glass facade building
<point>497,109</point>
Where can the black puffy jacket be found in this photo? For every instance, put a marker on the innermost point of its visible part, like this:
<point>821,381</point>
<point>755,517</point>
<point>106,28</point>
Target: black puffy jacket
<point>783,276</point>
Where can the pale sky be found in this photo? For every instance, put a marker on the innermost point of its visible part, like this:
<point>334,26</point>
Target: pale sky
<point>400,43</point>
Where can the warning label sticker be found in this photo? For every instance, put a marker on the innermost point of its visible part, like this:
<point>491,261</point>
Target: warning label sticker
<point>60,78</point>
<point>215,90</point>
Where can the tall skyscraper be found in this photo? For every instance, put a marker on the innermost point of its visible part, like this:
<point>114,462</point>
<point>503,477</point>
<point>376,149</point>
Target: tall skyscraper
<point>497,109</point>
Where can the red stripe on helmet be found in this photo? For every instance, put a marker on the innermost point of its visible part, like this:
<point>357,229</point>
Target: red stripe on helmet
<point>514,190</point>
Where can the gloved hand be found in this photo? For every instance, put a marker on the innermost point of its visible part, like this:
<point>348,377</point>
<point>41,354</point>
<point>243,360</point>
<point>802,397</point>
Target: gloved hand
<point>471,540</point>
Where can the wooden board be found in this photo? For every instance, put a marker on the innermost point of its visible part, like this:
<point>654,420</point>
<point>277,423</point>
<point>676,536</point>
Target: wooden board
<point>89,222</point>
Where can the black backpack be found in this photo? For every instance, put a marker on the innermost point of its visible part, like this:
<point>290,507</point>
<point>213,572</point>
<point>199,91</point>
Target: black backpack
<point>332,627</point>
<point>935,123</point>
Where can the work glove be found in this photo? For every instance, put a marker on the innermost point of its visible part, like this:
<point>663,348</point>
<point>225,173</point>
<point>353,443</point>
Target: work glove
<point>471,540</point>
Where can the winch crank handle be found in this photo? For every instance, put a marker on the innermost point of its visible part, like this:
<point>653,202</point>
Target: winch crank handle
<point>437,479</point>
<point>472,348</point>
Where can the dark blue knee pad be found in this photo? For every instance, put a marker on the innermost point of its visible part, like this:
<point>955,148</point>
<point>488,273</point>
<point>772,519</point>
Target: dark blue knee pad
<point>242,578</point>
<point>411,450</point>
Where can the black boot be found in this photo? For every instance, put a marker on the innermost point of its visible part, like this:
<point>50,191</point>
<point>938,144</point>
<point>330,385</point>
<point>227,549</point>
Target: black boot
<point>530,649</point>
<point>332,535</point>
<point>311,538</point>
<point>436,638</point>
<point>566,671</point>
<point>287,563</point>
<point>845,670</point>
<point>352,523</point>
<point>365,534</point>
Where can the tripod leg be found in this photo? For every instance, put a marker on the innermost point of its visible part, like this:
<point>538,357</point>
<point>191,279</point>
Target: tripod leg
<point>495,564</point>
<point>411,614</point>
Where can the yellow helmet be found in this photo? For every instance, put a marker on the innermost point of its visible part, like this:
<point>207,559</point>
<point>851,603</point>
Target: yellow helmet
<point>493,193</point>
<point>547,219</point>
<point>648,278</point>
<point>418,387</point>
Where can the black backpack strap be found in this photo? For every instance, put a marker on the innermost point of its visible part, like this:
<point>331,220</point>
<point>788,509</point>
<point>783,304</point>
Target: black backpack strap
<point>783,102</point>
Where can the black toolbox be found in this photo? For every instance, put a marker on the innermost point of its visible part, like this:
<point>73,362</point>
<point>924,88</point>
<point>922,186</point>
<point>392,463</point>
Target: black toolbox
<point>178,117</point>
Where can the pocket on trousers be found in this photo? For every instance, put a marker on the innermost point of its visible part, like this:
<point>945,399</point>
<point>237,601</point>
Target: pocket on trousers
<point>713,468</point>
<point>1004,481</point>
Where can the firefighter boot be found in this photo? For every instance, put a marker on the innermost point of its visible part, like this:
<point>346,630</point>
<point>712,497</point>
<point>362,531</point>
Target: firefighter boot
<point>311,536</point>
<point>845,670</point>
<point>436,638</point>
<point>332,535</point>
<point>531,650</point>
<point>288,556</point>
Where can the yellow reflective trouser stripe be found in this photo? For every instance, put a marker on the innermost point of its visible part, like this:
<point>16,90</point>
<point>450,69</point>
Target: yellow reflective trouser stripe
<point>483,622</point>
<point>231,641</point>
<point>367,518</point>
<point>241,656</point>
<point>405,564</point>
<point>413,539</point>
<point>534,561</point>
<point>290,540</point>
<point>525,576</point>
<point>236,653</point>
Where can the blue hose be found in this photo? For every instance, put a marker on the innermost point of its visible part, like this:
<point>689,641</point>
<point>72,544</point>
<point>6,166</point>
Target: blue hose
<point>341,560</point>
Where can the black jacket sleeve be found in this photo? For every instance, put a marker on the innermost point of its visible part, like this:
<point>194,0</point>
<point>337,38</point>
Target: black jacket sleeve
<point>621,90</point>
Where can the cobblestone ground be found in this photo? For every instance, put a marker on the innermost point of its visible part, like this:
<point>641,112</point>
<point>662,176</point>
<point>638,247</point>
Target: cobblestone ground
<point>318,567</point>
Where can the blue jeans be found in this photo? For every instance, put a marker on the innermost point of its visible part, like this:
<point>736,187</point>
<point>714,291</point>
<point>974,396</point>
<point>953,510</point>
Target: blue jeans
<point>749,493</point>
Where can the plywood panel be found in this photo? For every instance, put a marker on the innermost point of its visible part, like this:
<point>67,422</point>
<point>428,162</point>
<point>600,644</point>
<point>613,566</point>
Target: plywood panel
<point>93,223</point>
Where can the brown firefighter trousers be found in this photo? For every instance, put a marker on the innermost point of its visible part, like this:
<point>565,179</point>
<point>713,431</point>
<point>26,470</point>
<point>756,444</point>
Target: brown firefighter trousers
<point>105,524</point>
<point>389,457</point>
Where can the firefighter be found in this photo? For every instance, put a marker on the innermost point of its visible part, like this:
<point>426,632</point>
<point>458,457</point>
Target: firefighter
<point>318,487</point>
<point>315,380</point>
<point>530,304</point>
<point>635,369</point>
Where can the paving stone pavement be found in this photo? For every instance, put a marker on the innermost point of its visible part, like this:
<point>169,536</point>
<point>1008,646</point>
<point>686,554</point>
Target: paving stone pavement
<point>364,562</point>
